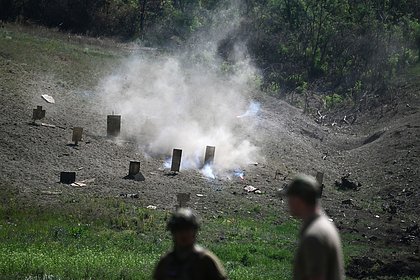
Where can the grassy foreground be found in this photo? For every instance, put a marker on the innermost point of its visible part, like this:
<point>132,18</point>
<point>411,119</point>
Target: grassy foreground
<point>111,239</point>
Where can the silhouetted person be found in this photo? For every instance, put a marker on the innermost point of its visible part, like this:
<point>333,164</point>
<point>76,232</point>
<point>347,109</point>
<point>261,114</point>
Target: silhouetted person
<point>187,261</point>
<point>319,255</point>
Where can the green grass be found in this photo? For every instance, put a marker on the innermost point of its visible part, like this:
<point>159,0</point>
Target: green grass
<point>56,57</point>
<point>107,238</point>
<point>121,241</point>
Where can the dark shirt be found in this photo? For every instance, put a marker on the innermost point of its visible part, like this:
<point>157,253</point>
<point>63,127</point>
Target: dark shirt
<point>197,264</point>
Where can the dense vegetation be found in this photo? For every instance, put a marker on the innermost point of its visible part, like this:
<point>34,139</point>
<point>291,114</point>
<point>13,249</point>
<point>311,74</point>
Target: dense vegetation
<point>343,49</point>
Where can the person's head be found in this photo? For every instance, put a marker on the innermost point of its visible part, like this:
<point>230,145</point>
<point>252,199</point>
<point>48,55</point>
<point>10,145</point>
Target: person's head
<point>183,226</point>
<point>303,194</point>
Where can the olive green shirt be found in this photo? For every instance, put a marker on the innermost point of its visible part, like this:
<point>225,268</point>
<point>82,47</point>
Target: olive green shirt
<point>200,264</point>
<point>319,252</point>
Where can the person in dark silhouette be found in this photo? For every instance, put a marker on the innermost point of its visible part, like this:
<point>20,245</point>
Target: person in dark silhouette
<point>187,260</point>
<point>319,255</point>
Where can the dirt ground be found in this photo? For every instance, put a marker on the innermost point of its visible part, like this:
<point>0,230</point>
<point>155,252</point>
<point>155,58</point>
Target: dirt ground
<point>380,151</point>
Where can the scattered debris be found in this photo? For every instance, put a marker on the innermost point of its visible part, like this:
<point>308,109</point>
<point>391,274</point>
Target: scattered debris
<point>50,193</point>
<point>199,195</point>
<point>347,184</point>
<point>239,173</point>
<point>48,125</point>
<point>345,120</point>
<point>82,183</point>
<point>366,267</point>
<point>280,193</point>
<point>390,208</point>
<point>48,98</point>
<point>347,202</point>
<point>151,207</point>
<point>320,117</point>
<point>78,184</point>
<point>250,189</point>
<point>129,195</point>
<point>411,233</point>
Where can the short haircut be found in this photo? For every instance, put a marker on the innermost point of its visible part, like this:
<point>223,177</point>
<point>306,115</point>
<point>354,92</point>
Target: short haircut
<point>305,187</point>
<point>183,219</point>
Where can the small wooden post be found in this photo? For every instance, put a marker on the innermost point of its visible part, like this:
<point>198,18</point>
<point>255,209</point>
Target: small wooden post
<point>67,177</point>
<point>209,156</point>
<point>38,113</point>
<point>77,135</point>
<point>320,180</point>
<point>176,160</point>
<point>134,168</point>
<point>113,125</point>
<point>183,199</point>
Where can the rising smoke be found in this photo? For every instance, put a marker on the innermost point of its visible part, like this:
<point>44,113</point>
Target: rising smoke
<point>189,100</point>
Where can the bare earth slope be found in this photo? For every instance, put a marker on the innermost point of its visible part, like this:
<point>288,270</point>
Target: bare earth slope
<point>381,151</point>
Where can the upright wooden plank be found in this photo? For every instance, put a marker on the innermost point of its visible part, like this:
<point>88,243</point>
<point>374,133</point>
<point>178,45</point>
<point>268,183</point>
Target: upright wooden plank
<point>209,156</point>
<point>113,125</point>
<point>176,160</point>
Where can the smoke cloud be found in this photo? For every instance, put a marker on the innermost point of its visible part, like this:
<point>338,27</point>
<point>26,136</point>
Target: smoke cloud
<point>189,100</point>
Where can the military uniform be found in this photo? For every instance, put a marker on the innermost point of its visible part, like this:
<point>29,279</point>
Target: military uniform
<point>196,264</point>
<point>319,251</point>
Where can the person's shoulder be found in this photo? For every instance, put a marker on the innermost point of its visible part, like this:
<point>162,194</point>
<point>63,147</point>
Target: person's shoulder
<point>204,253</point>
<point>322,228</point>
<point>211,262</point>
<point>324,222</point>
<point>207,256</point>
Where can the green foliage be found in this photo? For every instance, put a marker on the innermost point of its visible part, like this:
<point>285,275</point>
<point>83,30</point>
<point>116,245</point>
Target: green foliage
<point>333,100</point>
<point>341,42</point>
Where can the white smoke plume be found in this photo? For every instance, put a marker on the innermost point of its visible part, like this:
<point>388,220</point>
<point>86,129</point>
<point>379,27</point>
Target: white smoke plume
<point>189,100</point>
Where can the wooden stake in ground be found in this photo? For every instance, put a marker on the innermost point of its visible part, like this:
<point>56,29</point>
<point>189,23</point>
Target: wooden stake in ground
<point>320,180</point>
<point>77,135</point>
<point>67,177</point>
<point>134,168</point>
<point>134,171</point>
<point>38,113</point>
<point>176,160</point>
<point>183,199</point>
<point>113,125</point>
<point>209,156</point>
